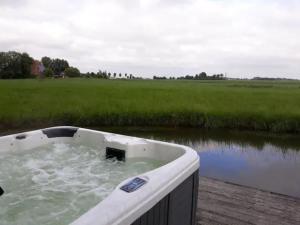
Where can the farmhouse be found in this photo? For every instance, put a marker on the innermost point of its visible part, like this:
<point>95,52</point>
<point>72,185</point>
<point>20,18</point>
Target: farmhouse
<point>37,68</point>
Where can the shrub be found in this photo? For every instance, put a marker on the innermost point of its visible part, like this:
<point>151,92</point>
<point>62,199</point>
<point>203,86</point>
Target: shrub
<point>48,72</point>
<point>72,72</point>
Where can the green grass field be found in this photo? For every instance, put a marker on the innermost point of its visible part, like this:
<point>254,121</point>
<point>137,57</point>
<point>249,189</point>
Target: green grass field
<point>253,105</point>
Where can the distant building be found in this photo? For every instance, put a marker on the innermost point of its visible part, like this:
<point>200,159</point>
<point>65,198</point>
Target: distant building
<point>37,68</point>
<point>61,75</point>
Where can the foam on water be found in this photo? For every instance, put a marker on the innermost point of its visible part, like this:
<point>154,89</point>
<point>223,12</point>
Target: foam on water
<point>55,184</point>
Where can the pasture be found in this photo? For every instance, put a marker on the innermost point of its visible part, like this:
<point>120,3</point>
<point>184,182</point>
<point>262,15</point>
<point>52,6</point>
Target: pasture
<point>251,105</point>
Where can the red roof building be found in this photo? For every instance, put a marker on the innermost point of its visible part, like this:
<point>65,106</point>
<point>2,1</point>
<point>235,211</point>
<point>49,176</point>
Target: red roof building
<point>37,68</point>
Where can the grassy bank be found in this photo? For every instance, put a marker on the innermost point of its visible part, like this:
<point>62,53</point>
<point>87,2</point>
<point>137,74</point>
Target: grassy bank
<point>253,105</point>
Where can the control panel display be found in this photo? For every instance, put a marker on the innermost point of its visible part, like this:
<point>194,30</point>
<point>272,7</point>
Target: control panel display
<point>133,185</point>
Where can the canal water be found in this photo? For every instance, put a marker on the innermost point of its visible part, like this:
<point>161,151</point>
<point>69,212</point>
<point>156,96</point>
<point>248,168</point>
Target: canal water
<point>265,161</point>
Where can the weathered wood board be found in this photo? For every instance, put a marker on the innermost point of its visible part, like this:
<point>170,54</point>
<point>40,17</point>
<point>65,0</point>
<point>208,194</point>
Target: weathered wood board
<point>226,203</point>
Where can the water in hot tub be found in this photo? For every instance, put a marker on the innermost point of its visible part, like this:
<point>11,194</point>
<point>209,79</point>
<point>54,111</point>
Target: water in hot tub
<point>55,184</point>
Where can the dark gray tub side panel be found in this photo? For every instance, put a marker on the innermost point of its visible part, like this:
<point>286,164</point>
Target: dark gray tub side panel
<point>177,208</point>
<point>60,132</point>
<point>195,196</point>
<point>157,215</point>
<point>181,204</point>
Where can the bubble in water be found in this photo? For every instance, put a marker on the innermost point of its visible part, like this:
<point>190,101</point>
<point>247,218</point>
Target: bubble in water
<point>57,183</point>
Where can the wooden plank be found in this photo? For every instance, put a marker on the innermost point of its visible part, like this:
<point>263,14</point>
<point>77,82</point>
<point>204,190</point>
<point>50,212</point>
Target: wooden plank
<point>226,203</point>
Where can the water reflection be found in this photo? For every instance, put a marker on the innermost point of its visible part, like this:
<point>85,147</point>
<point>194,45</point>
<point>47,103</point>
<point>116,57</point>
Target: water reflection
<point>254,159</point>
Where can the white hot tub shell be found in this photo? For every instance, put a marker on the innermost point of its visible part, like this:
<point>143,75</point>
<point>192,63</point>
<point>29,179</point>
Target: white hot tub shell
<point>168,195</point>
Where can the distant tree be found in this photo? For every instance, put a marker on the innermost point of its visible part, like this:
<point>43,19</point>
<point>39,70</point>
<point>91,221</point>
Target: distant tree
<point>48,72</point>
<point>189,77</point>
<point>202,75</point>
<point>72,72</point>
<point>120,75</point>
<point>159,78</point>
<point>15,65</point>
<point>104,75</point>
<point>26,62</point>
<point>46,61</point>
<point>99,74</point>
<point>115,75</point>
<point>58,65</point>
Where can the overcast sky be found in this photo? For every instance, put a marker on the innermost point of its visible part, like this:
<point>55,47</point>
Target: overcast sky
<point>242,38</point>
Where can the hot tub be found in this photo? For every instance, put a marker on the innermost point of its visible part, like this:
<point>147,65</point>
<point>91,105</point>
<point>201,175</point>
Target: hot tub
<point>164,192</point>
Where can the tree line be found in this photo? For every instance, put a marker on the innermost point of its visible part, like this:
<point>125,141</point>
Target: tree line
<point>14,65</point>
<point>58,67</point>
<point>200,76</point>
<point>108,75</point>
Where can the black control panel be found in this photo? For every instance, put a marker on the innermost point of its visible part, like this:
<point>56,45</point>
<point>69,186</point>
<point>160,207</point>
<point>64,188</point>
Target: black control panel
<point>1,191</point>
<point>119,154</point>
<point>133,185</point>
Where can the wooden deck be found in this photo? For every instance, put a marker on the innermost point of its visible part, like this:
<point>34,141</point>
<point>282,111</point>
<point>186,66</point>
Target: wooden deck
<point>225,203</point>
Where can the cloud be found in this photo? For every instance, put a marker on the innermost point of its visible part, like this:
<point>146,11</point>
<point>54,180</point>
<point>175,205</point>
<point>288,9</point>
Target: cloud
<point>167,37</point>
